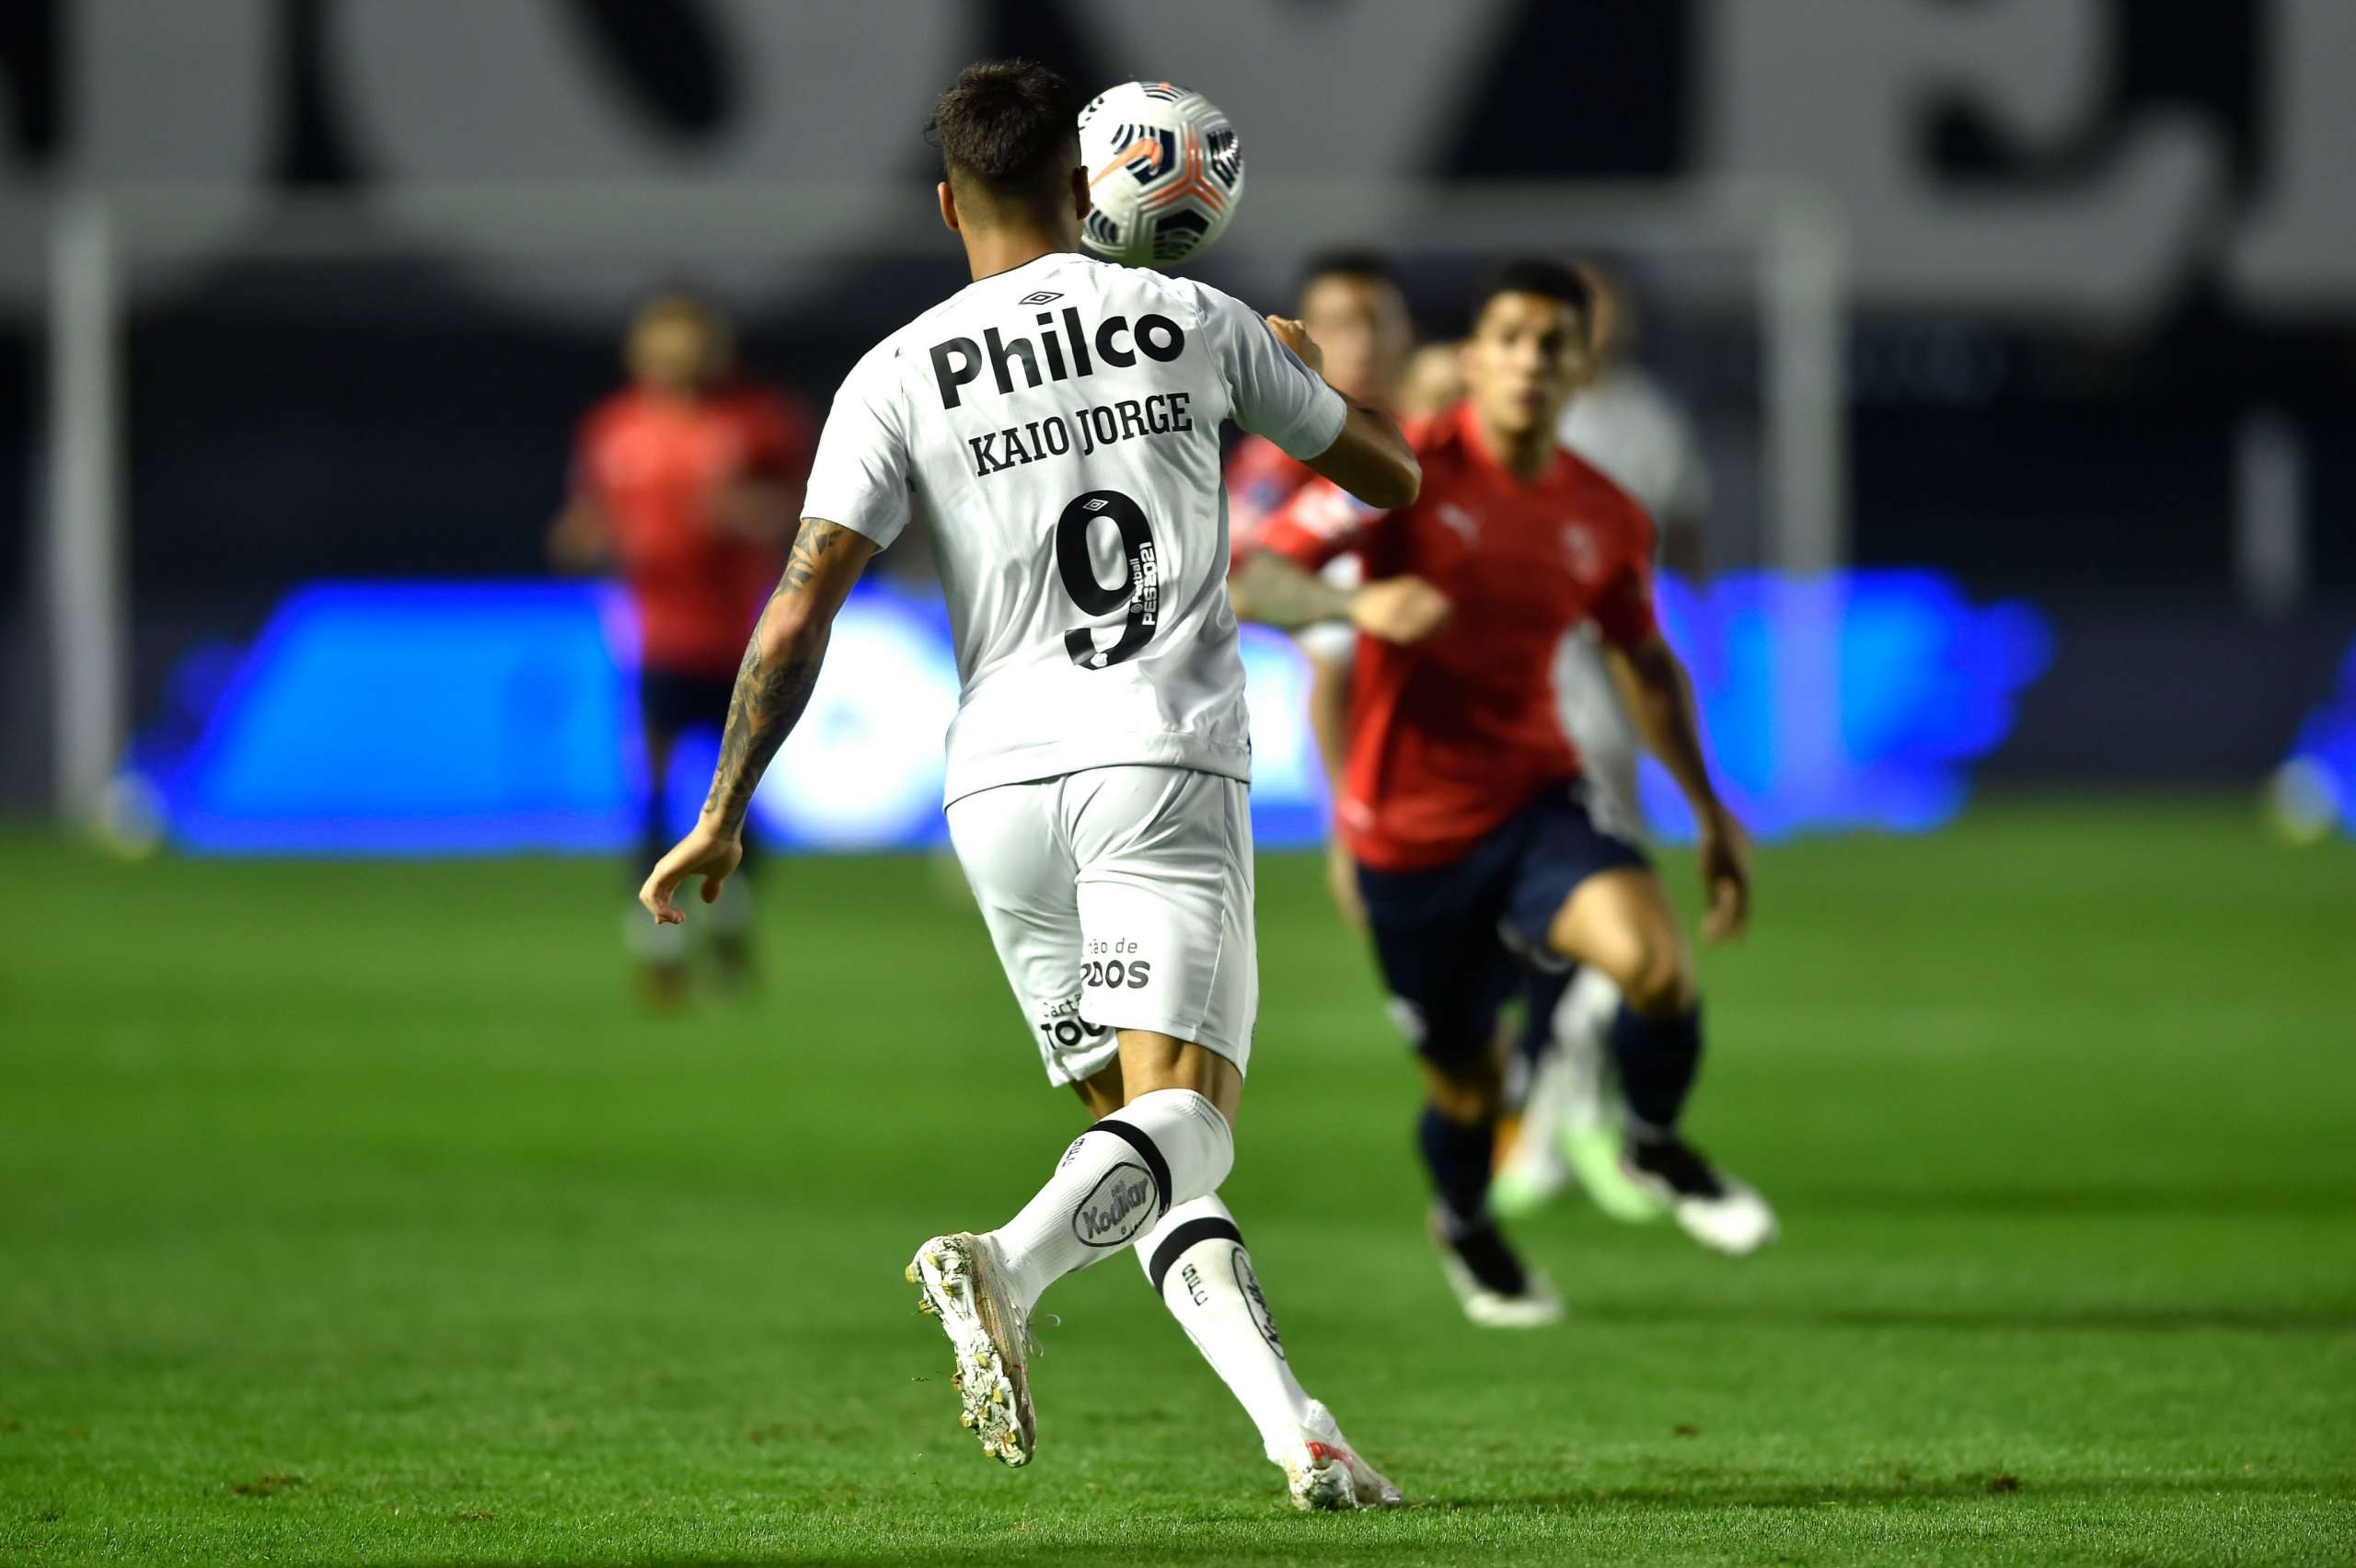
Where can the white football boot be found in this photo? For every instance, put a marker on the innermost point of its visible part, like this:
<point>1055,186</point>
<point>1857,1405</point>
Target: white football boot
<point>1325,1473</point>
<point>963,1287</point>
<point>1721,1213</point>
<point>1570,1121</point>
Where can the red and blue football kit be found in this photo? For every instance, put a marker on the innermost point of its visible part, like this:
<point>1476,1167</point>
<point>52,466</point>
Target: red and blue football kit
<point>1463,805</point>
<point>659,465</point>
<point>1261,477</point>
<point>1451,736</point>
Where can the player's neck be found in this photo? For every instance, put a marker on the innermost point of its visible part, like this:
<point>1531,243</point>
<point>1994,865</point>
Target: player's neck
<point>1002,247</point>
<point>1525,454</point>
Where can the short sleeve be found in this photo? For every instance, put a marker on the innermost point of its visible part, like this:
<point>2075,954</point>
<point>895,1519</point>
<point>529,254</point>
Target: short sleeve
<point>1270,392</point>
<point>860,477</point>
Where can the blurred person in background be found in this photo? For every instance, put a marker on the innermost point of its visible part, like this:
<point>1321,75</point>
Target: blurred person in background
<point>1480,844</point>
<point>687,484</point>
<point>1352,306</point>
<point>1434,378</point>
<point>1625,423</point>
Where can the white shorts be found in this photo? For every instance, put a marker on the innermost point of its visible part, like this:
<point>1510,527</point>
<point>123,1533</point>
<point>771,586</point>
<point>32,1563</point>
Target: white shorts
<point>1118,898</point>
<point>1599,727</point>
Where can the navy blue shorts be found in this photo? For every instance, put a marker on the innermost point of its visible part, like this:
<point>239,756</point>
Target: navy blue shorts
<point>1453,941</point>
<point>670,701</point>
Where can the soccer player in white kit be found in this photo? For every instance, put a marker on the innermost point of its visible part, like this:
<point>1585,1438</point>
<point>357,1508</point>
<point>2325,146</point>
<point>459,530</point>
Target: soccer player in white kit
<point>1059,420</point>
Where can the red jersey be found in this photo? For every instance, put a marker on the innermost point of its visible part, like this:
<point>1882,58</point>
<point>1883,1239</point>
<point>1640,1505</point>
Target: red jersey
<point>1450,737</point>
<point>1260,477</point>
<point>658,466</point>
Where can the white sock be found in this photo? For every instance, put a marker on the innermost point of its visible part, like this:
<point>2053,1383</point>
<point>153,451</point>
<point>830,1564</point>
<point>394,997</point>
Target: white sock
<point>1583,1037</point>
<point>1196,1260</point>
<point>1117,1179</point>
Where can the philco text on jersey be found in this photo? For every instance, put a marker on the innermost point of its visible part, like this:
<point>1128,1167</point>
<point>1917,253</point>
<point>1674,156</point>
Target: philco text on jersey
<point>957,362</point>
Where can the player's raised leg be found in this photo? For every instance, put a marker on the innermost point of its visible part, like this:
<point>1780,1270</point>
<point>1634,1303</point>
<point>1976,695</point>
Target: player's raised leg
<point>1572,1127</point>
<point>1170,1144</point>
<point>1620,921</point>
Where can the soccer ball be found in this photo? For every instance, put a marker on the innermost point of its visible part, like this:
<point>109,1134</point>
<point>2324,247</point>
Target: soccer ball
<point>1164,170</point>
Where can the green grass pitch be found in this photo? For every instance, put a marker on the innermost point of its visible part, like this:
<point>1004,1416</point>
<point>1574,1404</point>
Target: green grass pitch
<point>349,1211</point>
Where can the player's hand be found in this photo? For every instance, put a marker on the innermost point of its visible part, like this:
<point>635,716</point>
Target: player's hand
<point>708,853</point>
<point>1294,335</point>
<point>1400,609</point>
<point>1725,852</point>
<point>1341,881</point>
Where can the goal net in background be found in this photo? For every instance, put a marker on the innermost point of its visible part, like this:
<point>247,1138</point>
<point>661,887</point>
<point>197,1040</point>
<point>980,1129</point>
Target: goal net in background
<point>303,452</point>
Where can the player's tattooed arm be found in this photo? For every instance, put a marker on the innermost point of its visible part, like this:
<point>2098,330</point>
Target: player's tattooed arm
<point>781,665</point>
<point>773,687</point>
<point>1272,591</point>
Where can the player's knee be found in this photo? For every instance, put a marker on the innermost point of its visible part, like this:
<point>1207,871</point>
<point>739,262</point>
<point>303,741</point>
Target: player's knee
<point>1659,978</point>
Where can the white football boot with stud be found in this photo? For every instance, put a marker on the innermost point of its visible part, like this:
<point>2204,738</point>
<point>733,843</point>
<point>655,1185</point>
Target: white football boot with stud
<point>960,1277</point>
<point>1325,1474</point>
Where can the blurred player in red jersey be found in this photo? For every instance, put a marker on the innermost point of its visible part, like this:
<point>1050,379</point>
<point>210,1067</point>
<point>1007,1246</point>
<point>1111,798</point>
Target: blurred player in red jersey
<point>1633,430</point>
<point>1352,308</point>
<point>688,482</point>
<point>1350,305</point>
<point>1463,803</point>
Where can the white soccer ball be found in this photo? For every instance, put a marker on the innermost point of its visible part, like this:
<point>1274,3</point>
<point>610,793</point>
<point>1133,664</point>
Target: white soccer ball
<point>1164,170</point>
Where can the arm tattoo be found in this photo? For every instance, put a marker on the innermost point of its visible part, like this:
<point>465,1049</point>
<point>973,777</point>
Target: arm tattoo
<point>816,537</point>
<point>1274,592</point>
<point>771,693</point>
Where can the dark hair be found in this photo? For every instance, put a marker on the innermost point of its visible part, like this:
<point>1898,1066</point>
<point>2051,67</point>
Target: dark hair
<point>1370,265</point>
<point>1009,127</point>
<point>1537,275</point>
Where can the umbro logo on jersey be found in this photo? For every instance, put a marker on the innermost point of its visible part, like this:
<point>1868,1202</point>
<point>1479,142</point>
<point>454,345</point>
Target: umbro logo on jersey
<point>1039,296</point>
<point>1464,523</point>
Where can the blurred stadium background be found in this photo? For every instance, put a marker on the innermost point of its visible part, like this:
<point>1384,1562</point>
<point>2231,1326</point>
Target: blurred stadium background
<point>2032,330</point>
<point>2018,338</point>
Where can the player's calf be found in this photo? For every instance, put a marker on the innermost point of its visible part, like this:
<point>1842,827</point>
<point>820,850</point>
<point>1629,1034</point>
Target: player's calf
<point>1458,1136</point>
<point>1621,922</point>
<point>1196,1262</point>
<point>1116,1181</point>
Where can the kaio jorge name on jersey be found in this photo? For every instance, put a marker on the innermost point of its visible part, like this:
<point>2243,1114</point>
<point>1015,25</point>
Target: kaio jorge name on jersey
<point>1090,427</point>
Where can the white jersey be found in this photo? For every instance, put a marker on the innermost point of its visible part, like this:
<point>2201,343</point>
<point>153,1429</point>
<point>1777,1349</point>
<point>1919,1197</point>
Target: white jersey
<point>1060,423</point>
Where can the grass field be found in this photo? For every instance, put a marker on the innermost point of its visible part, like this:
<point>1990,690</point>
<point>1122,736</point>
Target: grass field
<point>348,1213</point>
